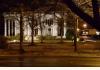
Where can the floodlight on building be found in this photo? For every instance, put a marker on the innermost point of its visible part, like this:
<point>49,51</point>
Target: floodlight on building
<point>78,39</point>
<point>36,38</point>
<point>78,29</point>
<point>26,38</point>
<point>14,41</point>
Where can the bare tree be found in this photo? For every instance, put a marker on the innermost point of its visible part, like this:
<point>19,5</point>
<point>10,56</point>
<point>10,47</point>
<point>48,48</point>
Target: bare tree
<point>92,21</point>
<point>32,24</point>
<point>41,26</point>
<point>61,27</point>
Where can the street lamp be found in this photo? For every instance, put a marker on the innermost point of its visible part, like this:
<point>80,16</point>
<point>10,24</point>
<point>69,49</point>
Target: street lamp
<point>85,25</point>
<point>76,33</point>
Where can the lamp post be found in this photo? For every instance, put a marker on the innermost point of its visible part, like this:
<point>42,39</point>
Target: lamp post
<point>76,34</point>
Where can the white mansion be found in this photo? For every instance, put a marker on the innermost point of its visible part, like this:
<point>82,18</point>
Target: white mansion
<point>49,24</point>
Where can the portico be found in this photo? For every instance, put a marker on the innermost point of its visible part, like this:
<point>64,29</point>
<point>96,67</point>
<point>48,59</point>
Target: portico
<point>49,26</point>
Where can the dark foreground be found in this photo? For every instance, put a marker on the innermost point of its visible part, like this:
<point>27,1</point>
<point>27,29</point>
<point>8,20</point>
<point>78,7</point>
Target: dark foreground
<point>30,61</point>
<point>51,55</point>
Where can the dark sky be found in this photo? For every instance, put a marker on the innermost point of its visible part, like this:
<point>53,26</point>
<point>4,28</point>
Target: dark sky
<point>5,5</point>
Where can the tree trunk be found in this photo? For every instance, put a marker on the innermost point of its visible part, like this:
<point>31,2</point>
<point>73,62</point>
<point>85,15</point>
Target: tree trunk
<point>41,33</point>
<point>41,27</point>
<point>1,24</point>
<point>93,22</point>
<point>96,12</point>
<point>21,34</point>
<point>75,37</point>
<point>61,30</point>
<point>62,27</point>
<point>32,36</point>
<point>61,40</point>
<point>32,29</point>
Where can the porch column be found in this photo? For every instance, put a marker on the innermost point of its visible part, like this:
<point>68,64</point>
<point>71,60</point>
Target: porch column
<point>39,32</point>
<point>29,30</point>
<point>8,27</point>
<point>55,25</point>
<point>64,36</point>
<point>15,27</point>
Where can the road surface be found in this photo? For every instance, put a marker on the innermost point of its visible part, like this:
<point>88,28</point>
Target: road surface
<point>64,61</point>
<point>53,55</point>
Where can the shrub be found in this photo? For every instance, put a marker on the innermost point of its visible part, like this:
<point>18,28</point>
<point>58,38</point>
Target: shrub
<point>17,37</point>
<point>3,42</point>
<point>69,35</point>
<point>49,37</point>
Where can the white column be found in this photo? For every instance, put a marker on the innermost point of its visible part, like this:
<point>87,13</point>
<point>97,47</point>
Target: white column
<point>8,27</point>
<point>57,30</point>
<point>29,30</point>
<point>26,30</point>
<point>54,30</point>
<point>39,32</point>
<point>55,26</point>
<point>64,36</point>
<point>5,27</point>
<point>15,27</point>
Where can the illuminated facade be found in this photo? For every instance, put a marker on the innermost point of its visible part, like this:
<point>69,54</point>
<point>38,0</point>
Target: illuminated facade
<point>49,23</point>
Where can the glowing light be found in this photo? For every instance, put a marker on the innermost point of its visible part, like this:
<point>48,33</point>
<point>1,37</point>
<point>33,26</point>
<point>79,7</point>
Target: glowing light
<point>85,25</point>
<point>35,38</point>
<point>78,39</point>
<point>98,33</point>
<point>14,41</point>
<point>26,38</point>
<point>78,29</point>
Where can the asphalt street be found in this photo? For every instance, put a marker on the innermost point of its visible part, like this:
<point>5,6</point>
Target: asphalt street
<point>52,55</point>
<point>65,61</point>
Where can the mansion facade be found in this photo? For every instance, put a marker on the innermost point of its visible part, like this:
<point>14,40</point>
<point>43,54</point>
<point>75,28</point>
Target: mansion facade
<point>49,23</point>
